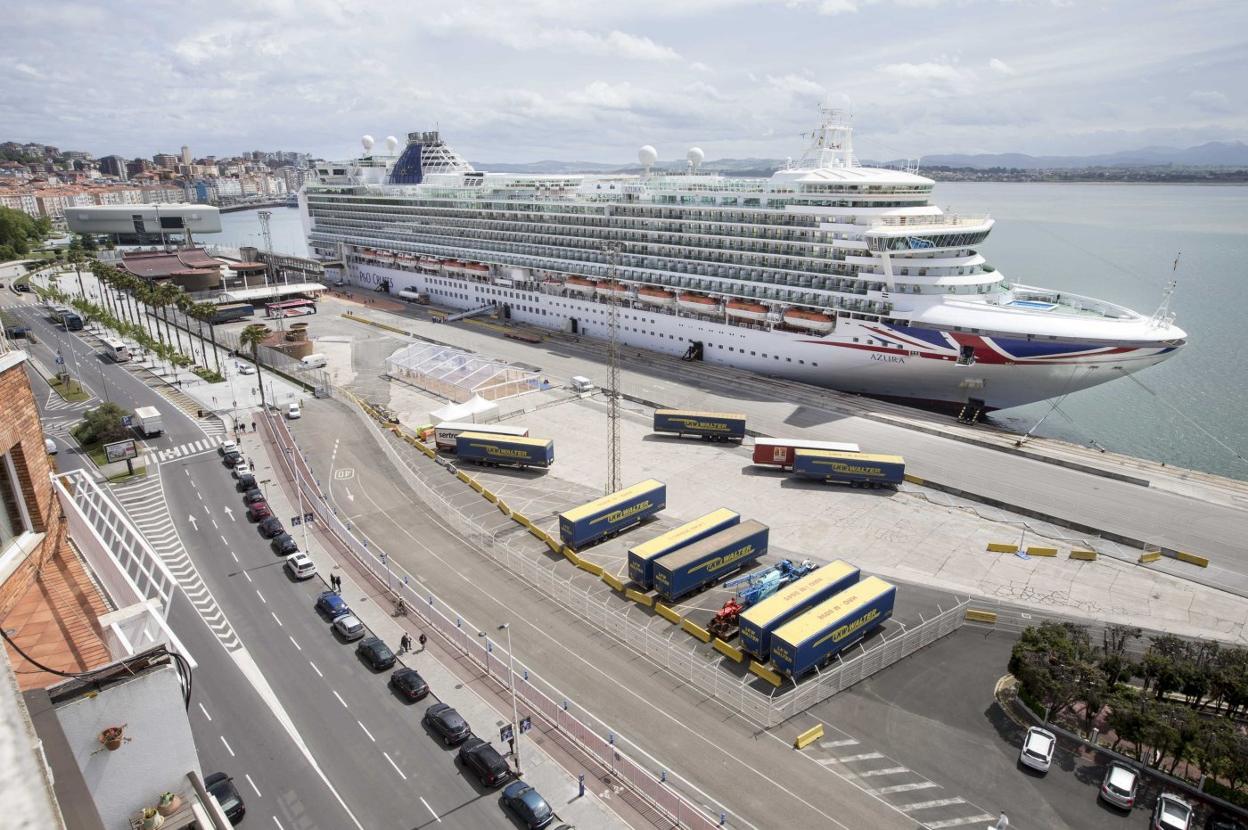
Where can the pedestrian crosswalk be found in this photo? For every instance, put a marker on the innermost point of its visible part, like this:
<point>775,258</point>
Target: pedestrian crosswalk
<point>55,403</point>
<point>210,423</point>
<point>144,500</point>
<point>188,449</point>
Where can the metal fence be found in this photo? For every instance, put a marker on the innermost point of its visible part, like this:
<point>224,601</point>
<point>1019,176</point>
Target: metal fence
<point>541,699</point>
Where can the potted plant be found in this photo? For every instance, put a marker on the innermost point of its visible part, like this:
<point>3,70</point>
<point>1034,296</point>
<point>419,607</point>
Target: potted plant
<point>112,737</point>
<point>152,819</point>
<point>169,804</point>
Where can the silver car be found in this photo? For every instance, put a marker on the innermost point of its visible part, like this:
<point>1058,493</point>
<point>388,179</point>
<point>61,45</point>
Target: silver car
<point>1120,785</point>
<point>1038,746</point>
<point>1171,813</point>
<point>349,627</point>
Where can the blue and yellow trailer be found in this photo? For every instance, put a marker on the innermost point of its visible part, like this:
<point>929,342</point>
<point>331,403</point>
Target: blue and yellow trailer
<point>511,451</point>
<point>816,636</point>
<point>855,468</point>
<point>757,622</point>
<point>713,426</point>
<point>611,514</point>
<point>641,558</point>
<point>698,565</point>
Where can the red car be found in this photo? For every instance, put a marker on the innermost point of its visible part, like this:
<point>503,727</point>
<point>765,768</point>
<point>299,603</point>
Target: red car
<point>259,510</point>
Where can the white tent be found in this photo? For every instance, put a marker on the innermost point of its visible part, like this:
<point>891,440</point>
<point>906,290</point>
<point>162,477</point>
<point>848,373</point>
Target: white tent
<point>474,410</point>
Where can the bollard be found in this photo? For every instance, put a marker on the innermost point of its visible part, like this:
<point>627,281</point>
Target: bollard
<point>580,780</point>
<point>1096,732</point>
<point>611,738</point>
<point>526,675</point>
<point>565,706</point>
<point>662,776</point>
<point>723,819</point>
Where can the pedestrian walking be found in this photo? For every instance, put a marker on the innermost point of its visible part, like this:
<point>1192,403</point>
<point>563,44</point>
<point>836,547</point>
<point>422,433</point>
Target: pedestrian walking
<point>423,640</point>
<point>1003,822</point>
<point>253,426</point>
<point>405,644</point>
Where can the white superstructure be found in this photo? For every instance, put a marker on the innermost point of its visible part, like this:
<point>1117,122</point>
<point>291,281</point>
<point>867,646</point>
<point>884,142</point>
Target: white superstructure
<point>827,271</point>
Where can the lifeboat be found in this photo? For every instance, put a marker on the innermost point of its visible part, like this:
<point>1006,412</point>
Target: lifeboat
<point>582,286</point>
<point>606,288</point>
<point>809,320</point>
<point>476,268</point>
<point>743,310</point>
<point>453,265</point>
<point>656,296</point>
<point>698,303</point>
<point>431,264</point>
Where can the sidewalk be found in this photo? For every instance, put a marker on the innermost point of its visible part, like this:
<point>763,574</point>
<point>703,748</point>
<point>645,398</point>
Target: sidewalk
<point>484,702</point>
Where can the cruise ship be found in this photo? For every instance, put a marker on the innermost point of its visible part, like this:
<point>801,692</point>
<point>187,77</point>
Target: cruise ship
<point>826,272</point>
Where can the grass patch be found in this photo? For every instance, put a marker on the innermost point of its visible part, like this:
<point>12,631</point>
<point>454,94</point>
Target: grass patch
<point>208,374</point>
<point>69,389</point>
<point>139,472</point>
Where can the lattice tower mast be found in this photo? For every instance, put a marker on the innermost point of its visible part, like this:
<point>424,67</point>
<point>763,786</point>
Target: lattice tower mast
<point>612,249</point>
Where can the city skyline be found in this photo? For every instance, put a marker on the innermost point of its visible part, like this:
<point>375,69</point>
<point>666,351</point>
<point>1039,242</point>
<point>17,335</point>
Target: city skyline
<point>592,82</point>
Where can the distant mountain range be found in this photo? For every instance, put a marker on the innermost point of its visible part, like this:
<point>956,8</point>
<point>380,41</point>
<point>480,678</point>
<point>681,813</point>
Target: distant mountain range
<point>1210,154</point>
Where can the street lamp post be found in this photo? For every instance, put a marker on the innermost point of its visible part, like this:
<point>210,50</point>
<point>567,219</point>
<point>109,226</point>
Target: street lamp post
<point>515,712</point>
<point>303,517</point>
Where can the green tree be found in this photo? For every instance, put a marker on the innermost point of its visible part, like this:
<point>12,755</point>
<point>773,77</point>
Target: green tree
<point>103,424</point>
<point>253,337</point>
<point>1056,665</point>
<point>19,233</point>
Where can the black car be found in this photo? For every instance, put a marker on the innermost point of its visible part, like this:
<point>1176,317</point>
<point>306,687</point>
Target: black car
<point>14,332</point>
<point>252,496</point>
<point>221,786</point>
<point>270,527</point>
<point>409,684</point>
<point>231,458</point>
<point>246,482</point>
<point>1221,821</point>
<point>284,544</point>
<point>449,725</point>
<point>376,653</point>
<point>479,756</point>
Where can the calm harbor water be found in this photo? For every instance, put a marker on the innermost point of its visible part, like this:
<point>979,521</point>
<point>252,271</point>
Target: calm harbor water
<point>1116,242</point>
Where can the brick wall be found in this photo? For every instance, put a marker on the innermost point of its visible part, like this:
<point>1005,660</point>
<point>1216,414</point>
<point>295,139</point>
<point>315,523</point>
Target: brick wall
<point>21,435</point>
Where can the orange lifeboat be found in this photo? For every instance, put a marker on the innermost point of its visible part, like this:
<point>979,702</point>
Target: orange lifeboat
<point>606,288</point>
<point>698,303</point>
<point>453,265</point>
<point>656,296</point>
<point>809,320</point>
<point>582,286</point>
<point>431,264</point>
<point>745,310</point>
<point>476,268</point>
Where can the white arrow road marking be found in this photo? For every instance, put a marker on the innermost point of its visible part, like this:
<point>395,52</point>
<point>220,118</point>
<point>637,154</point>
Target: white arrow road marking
<point>349,496</point>
<point>229,513</point>
<point>191,519</point>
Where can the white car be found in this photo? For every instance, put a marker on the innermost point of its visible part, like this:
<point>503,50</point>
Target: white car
<point>227,446</point>
<point>246,369</point>
<point>349,627</point>
<point>243,468</point>
<point>49,446</point>
<point>1038,746</point>
<point>1120,785</point>
<point>300,565</point>
<point>1171,813</point>
<point>293,411</point>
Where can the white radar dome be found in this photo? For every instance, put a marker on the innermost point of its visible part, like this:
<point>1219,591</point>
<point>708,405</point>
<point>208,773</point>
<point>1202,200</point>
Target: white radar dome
<point>392,145</point>
<point>647,155</point>
<point>368,142</point>
<point>695,156</point>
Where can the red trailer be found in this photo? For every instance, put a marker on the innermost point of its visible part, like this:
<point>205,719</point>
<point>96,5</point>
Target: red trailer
<point>779,452</point>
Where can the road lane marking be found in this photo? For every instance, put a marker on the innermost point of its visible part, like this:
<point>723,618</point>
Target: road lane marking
<point>866,756</point>
<point>958,822</point>
<point>275,619</point>
<point>366,732</point>
<point>430,809</point>
<point>227,746</point>
<point>223,541</point>
<point>247,575</point>
<point>214,525</point>
<point>905,788</point>
<point>888,771</point>
<point>262,599</point>
<point>927,805</point>
<point>205,711</point>
<point>293,643</point>
<point>835,744</point>
<point>318,671</point>
<point>340,700</point>
<point>396,767</point>
<point>235,555</point>
<point>253,785</point>
<point>278,823</point>
<point>206,510</point>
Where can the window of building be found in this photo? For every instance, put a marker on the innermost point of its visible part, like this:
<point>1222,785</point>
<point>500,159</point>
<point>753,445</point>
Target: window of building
<point>14,518</point>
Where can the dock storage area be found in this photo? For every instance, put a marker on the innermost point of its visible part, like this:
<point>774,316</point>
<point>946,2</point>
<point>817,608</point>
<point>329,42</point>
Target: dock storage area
<point>612,513</point>
<point>702,563</point>
<point>819,634</point>
<point>713,426</point>
<point>758,621</point>
<point>641,558</point>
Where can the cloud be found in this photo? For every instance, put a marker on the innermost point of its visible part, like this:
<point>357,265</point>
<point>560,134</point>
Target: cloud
<point>523,34</point>
<point>1001,67</point>
<point>942,72</point>
<point>832,7</point>
<point>1210,100</point>
<point>27,69</point>
<point>797,86</point>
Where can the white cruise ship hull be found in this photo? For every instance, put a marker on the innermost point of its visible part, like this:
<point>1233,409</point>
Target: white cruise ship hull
<point>917,365</point>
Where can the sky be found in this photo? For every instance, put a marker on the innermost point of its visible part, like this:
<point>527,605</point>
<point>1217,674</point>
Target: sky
<point>583,80</point>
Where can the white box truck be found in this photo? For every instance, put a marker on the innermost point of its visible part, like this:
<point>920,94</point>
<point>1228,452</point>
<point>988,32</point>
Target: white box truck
<point>147,419</point>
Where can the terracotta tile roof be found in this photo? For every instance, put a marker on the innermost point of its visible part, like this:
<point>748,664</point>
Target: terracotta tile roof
<point>157,264</point>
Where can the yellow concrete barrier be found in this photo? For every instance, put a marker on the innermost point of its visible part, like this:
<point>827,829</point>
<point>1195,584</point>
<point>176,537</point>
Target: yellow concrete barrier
<point>978,615</point>
<point>503,508</point>
<point>476,485</point>
<point>521,519</point>
<point>808,737</point>
<point>462,476</point>
<point>1085,555</point>
<point>731,652</point>
<point>589,567</point>
<point>570,555</point>
<point>1036,551</point>
<point>1192,559</point>
<point>765,673</point>
<point>610,580</point>
<point>638,597</point>
<point>1002,547</point>
<point>667,613</point>
<point>555,547</point>
<point>490,497</point>
<point>1149,556</point>
<point>913,479</point>
<point>429,451</point>
<point>537,533</point>
<point>696,630</point>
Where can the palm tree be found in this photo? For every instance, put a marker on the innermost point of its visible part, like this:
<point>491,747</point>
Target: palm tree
<point>253,336</point>
<point>203,312</point>
<point>166,295</point>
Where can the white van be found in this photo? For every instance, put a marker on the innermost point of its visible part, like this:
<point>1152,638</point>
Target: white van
<point>315,360</point>
<point>581,383</point>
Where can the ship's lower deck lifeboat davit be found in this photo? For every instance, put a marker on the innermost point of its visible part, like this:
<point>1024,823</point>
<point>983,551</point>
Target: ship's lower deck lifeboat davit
<point>743,310</point>
<point>476,269</point>
<point>581,286</point>
<point>656,296</point>
<point>606,288</point>
<point>434,265</point>
<point>815,321</point>
<point>698,303</point>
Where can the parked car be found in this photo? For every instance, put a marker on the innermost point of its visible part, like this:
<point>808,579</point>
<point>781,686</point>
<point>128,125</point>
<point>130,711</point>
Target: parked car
<point>448,724</point>
<point>528,805</point>
<point>259,510</point>
<point>228,445</point>
<point>332,605</point>
<point>242,468</point>
<point>246,369</point>
<point>49,446</point>
<point>300,565</point>
<point>349,627</point>
<point>1037,751</point>
<point>408,683</point>
<point>284,544</point>
<point>293,411</point>
<point>14,332</point>
<point>1120,785</point>
<point>231,458</point>
<point>253,495</point>
<point>221,787</point>
<point>270,527</point>
<point>376,653</point>
<point>484,761</point>
<point>246,482</point>
<point>1171,813</point>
